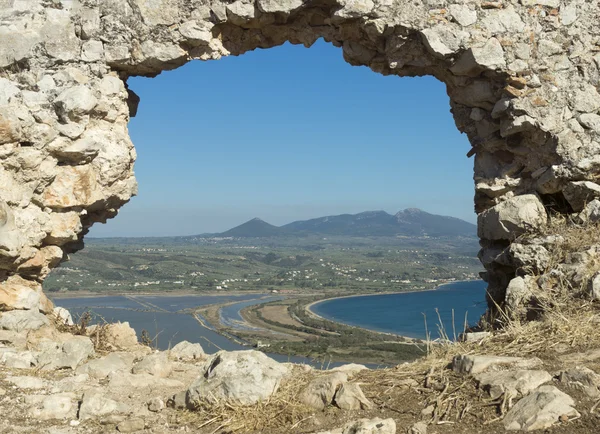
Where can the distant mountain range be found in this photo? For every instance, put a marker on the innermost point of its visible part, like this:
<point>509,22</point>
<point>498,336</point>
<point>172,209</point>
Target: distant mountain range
<point>410,222</point>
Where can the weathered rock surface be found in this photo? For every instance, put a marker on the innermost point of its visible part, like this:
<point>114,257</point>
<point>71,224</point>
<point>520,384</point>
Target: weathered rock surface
<point>104,366</point>
<point>467,364</point>
<point>154,364</point>
<point>513,383</point>
<point>20,320</point>
<point>241,377</point>
<point>350,396</point>
<point>320,392</point>
<point>366,426</point>
<point>120,336</point>
<point>539,410</point>
<point>582,378</point>
<point>95,404</point>
<point>187,351</point>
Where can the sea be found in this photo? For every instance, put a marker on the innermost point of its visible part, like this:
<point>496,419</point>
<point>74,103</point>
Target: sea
<point>439,313</point>
<point>169,320</point>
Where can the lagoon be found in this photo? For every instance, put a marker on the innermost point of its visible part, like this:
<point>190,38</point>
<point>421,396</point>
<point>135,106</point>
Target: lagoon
<point>406,313</point>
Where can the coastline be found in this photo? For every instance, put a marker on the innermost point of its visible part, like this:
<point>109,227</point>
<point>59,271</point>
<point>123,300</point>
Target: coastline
<point>310,311</point>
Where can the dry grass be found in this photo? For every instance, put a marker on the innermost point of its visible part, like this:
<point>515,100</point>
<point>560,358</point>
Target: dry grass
<point>283,409</point>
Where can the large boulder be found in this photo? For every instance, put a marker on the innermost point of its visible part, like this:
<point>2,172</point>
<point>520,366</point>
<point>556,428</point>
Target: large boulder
<point>320,391</point>
<point>104,366</point>
<point>241,377</point>
<point>20,320</point>
<point>511,218</point>
<point>540,410</point>
<point>582,378</point>
<point>68,354</point>
<point>120,336</point>
<point>95,404</point>
<point>156,364</point>
<point>512,383</point>
<point>187,351</point>
<point>351,397</point>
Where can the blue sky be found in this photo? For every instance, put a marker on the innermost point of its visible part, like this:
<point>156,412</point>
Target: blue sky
<point>285,134</point>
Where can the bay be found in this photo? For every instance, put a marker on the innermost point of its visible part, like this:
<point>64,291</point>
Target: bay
<point>406,313</point>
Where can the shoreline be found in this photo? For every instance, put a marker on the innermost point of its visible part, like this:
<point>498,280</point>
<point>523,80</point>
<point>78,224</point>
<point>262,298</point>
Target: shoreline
<point>310,311</point>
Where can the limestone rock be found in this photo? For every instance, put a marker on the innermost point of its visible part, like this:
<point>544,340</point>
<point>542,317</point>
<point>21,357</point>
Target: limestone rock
<point>443,40</point>
<point>121,381</point>
<point>20,320</point>
<point>366,426</point>
<point>350,369</point>
<point>187,351</point>
<point>320,392</point>
<point>131,425</point>
<point>511,218</point>
<point>467,364</point>
<point>156,404</point>
<point>350,397</point>
<point>155,364</point>
<point>104,366</point>
<point>591,212</point>
<point>69,354</point>
<point>59,406</point>
<point>580,193</point>
<point>478,59</point>
<point>582,378</point>
<point>272,6</point>
<point>95,404</point>
<point>594,287</point>
<point>474,336</point>
<point>63,315</point>
<point>242,377</point>
<point>463,15</point>
<point>418,428</point>
<point>120,336</point>
<point>27,382</point>
<point>518,293</point>
<point>513,383</point>
<point>540,410</point>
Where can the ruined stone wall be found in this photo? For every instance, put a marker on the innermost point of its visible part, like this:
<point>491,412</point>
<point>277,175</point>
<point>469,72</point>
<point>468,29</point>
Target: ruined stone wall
<point>522,77</point>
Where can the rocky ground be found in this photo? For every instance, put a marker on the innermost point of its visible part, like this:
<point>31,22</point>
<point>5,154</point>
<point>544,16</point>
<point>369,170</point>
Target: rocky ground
<point>61,378</point>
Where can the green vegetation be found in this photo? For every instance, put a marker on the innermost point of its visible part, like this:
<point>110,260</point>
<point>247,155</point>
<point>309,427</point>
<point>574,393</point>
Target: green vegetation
<point>285,264</point>
<point>333,341</point>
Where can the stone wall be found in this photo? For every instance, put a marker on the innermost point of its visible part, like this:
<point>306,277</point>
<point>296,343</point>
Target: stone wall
<point>522,77</point>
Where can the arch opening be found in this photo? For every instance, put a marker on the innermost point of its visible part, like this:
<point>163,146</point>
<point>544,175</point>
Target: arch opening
<point>67,160</point>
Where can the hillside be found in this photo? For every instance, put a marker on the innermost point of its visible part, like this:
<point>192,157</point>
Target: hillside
<point>411,222</point>
<point>253,228</point>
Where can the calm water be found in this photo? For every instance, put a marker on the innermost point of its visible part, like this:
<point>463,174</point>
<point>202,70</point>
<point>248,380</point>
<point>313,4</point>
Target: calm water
<point>167,318</point>
<point>403,313</point>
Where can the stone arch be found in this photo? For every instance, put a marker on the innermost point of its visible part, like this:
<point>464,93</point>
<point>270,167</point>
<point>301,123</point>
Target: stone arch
<point>522,80</point>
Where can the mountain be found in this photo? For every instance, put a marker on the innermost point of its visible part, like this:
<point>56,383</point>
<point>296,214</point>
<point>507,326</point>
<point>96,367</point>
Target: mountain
<point>410,222</point>
<point>432,224</point>
<point>252,229</point>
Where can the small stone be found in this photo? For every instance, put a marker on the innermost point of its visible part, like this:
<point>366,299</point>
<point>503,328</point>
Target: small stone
<point>156,405</point>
